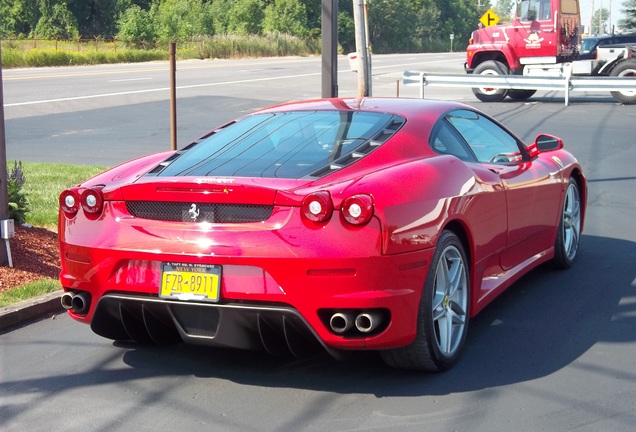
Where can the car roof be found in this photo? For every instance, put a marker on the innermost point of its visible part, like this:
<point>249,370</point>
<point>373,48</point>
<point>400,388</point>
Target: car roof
<point>406,107</point>
<point>610,36</point>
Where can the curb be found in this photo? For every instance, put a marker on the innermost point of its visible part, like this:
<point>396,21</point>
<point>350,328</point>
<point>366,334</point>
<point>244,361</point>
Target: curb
<point>29,310</point>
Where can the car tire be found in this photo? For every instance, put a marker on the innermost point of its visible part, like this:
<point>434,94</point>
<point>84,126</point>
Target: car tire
<point>443,316</point>
<point>569,231</point>
<point>520,95</point>
<point>626,68</point>
<point>485,94</point>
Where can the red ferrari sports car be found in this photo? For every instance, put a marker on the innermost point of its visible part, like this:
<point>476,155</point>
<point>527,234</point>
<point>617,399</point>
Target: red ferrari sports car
<point>347,224</point>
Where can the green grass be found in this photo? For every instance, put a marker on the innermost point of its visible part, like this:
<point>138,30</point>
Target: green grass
<point>28,291</point>
<point>45,182</point>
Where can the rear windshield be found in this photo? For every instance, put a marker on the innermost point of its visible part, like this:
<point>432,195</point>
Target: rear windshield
<point>284,145</point>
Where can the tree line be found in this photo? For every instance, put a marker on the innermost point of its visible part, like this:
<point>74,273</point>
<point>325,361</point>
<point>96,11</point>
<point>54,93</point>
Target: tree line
<point>394,25</point>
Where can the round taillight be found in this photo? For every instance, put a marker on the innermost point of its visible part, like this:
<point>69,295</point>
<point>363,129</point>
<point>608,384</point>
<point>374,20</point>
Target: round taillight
<point>92,201</point>
<point>69,202</point>
<point>358,209</point>
<point>318,206</point>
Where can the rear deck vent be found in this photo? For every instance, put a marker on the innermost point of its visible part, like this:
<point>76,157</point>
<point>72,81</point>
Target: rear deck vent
<point>199,212</point>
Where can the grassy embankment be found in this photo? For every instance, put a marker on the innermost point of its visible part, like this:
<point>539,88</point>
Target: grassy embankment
<point>39,53</point>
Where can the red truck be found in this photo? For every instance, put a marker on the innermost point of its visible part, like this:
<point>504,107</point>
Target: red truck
<point>544,36</point>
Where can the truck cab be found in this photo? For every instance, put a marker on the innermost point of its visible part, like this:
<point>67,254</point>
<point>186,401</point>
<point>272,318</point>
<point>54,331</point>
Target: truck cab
<point>542,32</point>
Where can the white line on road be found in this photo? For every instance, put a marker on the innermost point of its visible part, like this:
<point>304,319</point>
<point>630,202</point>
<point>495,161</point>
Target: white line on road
<point>131,79</point>
<point>157,89</point>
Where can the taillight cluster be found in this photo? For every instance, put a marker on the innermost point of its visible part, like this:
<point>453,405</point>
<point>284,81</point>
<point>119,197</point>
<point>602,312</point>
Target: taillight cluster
<point>90,200</point>
<point>356,210</point>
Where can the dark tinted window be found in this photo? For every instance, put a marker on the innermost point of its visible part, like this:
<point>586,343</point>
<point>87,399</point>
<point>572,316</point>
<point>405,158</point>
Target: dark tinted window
<point>284,145</point>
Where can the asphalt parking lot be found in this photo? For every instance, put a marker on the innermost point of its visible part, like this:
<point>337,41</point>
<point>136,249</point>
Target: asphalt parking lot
<point>556,352</point>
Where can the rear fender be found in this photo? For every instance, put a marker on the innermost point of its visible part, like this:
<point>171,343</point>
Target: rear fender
<point>414,201</point>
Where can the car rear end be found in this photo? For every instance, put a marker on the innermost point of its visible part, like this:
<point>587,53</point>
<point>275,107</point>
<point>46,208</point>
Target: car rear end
<point>259,243</point>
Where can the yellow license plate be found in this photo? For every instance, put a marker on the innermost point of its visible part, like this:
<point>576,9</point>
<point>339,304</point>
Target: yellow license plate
<point>190,281</point>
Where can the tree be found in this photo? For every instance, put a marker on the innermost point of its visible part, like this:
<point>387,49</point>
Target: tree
<point>18,17</point>
<point>286,16</point>
<point>136,26</point>
<point>179,20</point>
<point>56,21</point>
<point>458,17</point>
<point>599,21</point>
<point>628,23</point>
<point>220,11</point>
<point>402,29</point>
<point>245,17</point>
<point>97,17</point>
<point>505,10</point>
<point>346,32</point>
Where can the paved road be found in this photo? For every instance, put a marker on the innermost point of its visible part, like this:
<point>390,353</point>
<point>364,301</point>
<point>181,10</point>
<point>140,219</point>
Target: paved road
<point>107,114</point>
<point>557,352</point>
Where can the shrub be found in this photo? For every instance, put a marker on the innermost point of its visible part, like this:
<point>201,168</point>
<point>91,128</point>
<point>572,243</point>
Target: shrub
<point>19,204</point>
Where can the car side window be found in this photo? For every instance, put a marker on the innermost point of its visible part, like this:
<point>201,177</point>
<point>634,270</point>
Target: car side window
<point>487,140</point>
<point>445,140</point>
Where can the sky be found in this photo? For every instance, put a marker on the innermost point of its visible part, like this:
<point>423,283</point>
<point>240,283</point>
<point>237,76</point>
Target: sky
<point>614,6</point>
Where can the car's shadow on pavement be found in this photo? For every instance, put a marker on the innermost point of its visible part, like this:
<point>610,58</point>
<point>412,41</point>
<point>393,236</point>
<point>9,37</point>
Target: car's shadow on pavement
<point>543,323</point>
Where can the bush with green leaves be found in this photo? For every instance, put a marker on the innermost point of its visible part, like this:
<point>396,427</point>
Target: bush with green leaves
<point>19,204</point>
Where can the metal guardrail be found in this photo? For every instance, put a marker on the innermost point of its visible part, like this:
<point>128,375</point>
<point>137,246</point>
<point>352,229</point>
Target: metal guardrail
<point>518,82</point>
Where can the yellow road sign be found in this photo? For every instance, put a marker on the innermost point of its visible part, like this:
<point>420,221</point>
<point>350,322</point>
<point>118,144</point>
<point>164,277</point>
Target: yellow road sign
<point>489,18</point>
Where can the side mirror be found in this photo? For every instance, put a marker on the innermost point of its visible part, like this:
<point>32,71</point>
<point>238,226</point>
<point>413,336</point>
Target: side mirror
<point>545,143</point>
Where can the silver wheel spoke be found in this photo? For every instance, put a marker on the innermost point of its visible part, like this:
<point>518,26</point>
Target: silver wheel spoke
<point>450,300</point>
<point>571,222</point>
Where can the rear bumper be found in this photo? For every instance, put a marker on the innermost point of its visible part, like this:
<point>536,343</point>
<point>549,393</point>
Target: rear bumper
<point>256,311</point>
<point>270,279</point>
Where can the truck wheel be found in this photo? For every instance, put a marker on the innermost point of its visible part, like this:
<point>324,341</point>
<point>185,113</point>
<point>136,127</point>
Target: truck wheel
<point>486,94</point>
<point>626,68</point>
<point>520,94</point>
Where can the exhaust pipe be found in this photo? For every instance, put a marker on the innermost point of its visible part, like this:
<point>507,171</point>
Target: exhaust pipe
<point>76,302</point>
<point>340,322</point>
<point>67,300</point>
<point>367,321</point>
<point>81,303</point>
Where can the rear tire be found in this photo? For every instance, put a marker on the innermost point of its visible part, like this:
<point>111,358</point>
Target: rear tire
<point>626,68</point>
<point>520,94</point>
<point>486,94</point>
<point>442,321</point>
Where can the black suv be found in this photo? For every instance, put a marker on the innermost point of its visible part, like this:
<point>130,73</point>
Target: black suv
<point>589,44</point>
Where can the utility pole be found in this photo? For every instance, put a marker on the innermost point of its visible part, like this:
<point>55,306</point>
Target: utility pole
<point>590,32</point>
<point>329,48</point>
<point>4,196</point>
<point>361,48</point>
